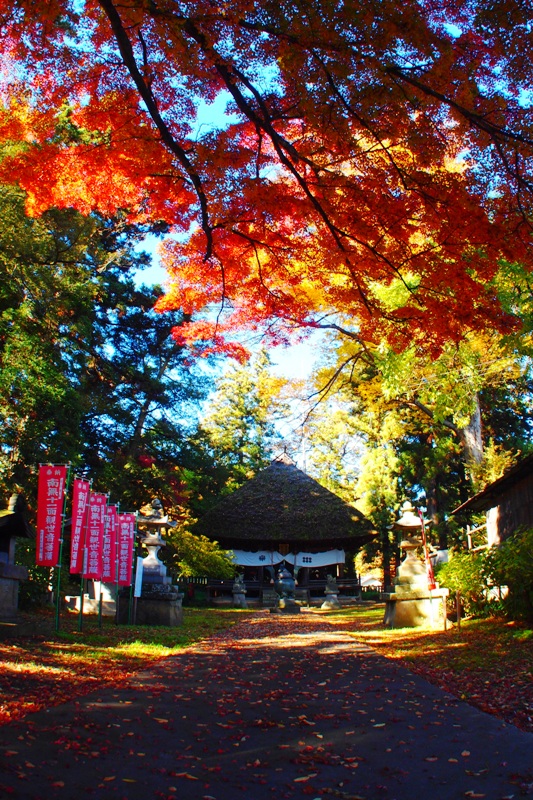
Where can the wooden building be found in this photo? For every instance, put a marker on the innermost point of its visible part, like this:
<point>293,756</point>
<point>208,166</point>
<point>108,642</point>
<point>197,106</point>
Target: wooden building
<point>282,517</point>
<point>508,502</point>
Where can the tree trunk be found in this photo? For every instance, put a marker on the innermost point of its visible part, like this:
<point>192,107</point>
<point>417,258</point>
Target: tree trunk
<point>471,436</point>
<point>433,512</point>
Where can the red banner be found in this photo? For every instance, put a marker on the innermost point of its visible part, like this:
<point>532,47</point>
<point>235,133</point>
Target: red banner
<point>92,567</point>
<point>50,495</point>
<point>109,552</point>
<point>125,538</point>
<point>80,503</point>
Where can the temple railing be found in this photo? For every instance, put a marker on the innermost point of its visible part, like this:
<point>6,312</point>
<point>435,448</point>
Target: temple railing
<point>213,588</point>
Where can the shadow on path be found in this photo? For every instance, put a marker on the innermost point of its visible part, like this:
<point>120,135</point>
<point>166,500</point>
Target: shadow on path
<point>275,707</point>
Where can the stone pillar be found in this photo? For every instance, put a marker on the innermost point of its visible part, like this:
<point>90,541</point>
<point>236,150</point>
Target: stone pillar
<point>239,593</point>
<point>332,595</point>
<point>13,523</point>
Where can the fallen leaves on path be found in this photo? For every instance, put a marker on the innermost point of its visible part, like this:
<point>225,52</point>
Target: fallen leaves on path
<point>485,663</point>
<point>47,667</point>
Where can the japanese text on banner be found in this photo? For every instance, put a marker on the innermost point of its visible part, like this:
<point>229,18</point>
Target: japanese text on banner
<point>126,536</point>
<point>109,552</point>
<point>50,495</point>
<point>94,536</point>
<point>80,498</point>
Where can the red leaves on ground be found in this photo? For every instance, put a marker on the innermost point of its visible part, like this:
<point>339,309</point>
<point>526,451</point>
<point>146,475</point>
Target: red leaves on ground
<point>482,663</point>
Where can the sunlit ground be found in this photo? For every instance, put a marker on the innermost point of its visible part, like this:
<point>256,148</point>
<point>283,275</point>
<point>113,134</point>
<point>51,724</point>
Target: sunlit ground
<point>487,662</point>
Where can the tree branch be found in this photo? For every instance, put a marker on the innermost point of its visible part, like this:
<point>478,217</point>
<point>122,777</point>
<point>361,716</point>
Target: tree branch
<point>128,58</point>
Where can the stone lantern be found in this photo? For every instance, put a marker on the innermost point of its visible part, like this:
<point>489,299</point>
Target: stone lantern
<point>285,588</point>
<point>13,523</point>
<point>414,601</point>
<point>160,602</point>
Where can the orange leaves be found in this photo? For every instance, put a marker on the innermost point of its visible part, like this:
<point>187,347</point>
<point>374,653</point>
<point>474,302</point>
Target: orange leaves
<point>203,338</point>
<point>359,151</point>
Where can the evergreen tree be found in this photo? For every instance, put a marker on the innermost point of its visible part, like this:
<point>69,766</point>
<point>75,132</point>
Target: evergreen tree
<point>89,373</point>
<point>238,434</point>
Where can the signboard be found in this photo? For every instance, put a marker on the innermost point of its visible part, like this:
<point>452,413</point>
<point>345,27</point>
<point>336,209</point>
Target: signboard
<point>138,577</point>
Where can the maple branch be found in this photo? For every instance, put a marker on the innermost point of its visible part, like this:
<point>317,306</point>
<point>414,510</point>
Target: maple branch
<point>348,107</point>
<point>429,413</point>
<point>495,131</point>
<point>228,75</point>
<point>327,388</point>
<point>128,58</point>
<point>280,144</point>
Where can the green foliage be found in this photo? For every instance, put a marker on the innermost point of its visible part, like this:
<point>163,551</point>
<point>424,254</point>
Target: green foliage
<point>478,576</point>
<point>34,591</point>
<point>333,447</point>
<point>89,372</point>
<point>495,462</point>
<point>465,573</point>
<point>511,564</point>
<point>237,435</point>
<point>198,556</point>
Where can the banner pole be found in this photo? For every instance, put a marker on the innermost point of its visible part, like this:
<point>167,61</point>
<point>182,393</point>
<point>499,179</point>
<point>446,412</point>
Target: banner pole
<point>429,567</point>
<point>100,607</point>
<point>83,544</point>
<point>117,599</point>
<point>60,558</point>
<point>132,617</point>
<point>82,576</point>
<point>131,599</point>
<point>80,615</point>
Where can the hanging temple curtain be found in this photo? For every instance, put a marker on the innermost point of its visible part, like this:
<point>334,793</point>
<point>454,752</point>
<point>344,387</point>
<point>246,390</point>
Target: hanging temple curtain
<point>269,558</point>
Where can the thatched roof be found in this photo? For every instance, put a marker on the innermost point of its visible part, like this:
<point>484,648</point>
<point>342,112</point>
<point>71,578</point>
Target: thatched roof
<point>283,504</point>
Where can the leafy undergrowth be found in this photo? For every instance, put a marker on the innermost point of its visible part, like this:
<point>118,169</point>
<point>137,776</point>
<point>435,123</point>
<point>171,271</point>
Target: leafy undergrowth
<point>487,662</point>
<point>45,667</point>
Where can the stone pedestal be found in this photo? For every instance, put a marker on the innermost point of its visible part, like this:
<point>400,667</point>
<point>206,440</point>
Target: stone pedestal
<point>332,595</point>
<point>162,610</point>
<point>91,599</point>
<point>415,609</point>
<point>412,603</point>
<point>10,577</point>
<point>287,605</point>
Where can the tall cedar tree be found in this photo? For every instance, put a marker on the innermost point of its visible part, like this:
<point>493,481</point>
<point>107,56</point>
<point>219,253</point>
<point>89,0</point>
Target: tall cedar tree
<point>237,436</point>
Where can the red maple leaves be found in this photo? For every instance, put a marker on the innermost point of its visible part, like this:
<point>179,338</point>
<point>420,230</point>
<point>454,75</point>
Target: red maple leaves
<point>371,170</point>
